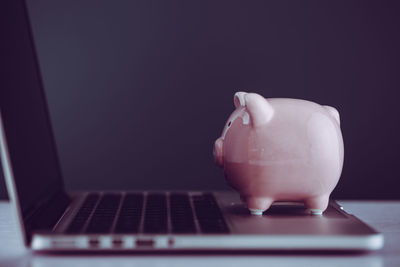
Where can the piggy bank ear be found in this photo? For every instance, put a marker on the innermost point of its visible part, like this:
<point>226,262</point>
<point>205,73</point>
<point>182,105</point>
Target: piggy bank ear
<point>238,99</point>
<point>333,111</point>
<point>259,109</point>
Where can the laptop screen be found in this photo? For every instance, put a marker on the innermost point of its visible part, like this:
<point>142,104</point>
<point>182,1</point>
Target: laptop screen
<point>24,115</point>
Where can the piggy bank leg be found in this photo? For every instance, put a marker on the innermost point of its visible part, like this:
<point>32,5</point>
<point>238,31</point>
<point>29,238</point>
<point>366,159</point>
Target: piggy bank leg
<point>317,205</point>
<point>257,205</point>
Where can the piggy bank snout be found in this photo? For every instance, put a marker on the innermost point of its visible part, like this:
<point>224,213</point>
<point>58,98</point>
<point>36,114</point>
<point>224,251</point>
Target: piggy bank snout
<point>218,153</point>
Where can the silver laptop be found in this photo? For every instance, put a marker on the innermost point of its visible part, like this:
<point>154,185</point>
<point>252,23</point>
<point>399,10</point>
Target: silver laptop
<point>53,220</point>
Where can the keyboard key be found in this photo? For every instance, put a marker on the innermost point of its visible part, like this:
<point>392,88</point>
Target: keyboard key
<point>155,220</point>
<point>182,219</point>
<point>209,215</point>
<point>130,214</point>
<point>83,214</point>
<point>104,215</point>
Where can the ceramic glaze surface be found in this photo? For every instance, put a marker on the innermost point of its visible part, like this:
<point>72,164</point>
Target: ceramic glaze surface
<point>281,149</point>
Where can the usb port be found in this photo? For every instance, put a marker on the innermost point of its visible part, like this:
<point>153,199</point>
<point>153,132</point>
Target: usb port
<point>94,242</point>
<point>144,242</point>
<point>118,242</point>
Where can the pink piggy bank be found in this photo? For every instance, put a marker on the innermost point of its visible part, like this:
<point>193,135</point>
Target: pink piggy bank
<point>281,149</point>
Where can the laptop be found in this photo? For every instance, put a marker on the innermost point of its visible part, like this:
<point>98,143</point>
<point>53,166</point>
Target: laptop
<point>50,219</point>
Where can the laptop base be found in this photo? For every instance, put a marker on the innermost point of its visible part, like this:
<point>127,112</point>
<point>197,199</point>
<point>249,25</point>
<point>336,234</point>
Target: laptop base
<point>285,227</point>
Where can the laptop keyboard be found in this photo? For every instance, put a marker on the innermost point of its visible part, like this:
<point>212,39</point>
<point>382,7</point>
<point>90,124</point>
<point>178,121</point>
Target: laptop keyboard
<point>182,218</point>
<point>152,213</point>
<point>104,214</point>
<point>156,214</point>
<point>83,214</point>
<point>130,214</point>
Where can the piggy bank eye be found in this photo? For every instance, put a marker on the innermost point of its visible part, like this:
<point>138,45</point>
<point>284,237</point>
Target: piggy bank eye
<point>229,124</point>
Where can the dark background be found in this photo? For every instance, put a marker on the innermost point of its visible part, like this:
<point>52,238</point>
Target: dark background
<point>139,90</point>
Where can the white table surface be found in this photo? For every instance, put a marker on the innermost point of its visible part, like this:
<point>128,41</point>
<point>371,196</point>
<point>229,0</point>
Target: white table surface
<point>382,215</point>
